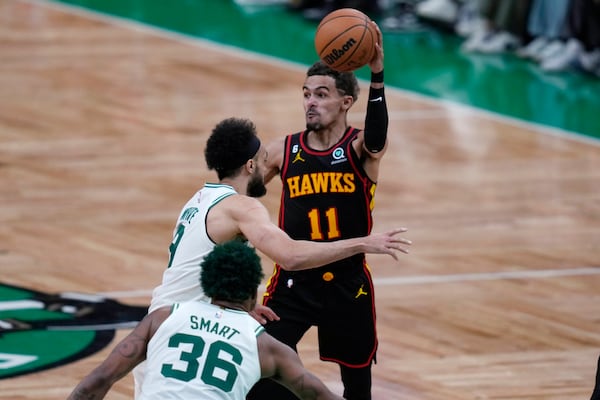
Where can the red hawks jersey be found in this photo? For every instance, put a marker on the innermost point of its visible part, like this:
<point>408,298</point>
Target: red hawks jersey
<point>326,194</point>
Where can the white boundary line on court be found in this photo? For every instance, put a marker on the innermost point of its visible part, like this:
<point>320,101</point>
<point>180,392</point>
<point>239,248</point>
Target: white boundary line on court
<point>431,279</point>
<point>239,52</point>
<point>486,276</point>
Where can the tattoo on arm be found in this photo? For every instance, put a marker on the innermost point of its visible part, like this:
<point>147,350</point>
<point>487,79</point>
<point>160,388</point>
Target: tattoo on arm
<point>303,385</point>
<point>131,348</point>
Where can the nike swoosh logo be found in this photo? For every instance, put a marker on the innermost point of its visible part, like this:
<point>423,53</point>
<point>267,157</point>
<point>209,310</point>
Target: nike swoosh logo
<point>375,100</point>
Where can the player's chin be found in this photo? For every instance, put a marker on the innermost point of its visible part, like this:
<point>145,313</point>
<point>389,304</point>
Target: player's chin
<point>312,124</point>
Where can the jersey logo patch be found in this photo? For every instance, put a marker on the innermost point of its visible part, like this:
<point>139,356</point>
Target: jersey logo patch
<point>361,292</point>
<point>338,156</point>
<point>298,157</point>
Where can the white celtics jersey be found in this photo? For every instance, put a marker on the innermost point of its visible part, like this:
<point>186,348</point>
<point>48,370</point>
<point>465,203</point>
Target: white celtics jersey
<point>203,351</point>
<point>181,279</point>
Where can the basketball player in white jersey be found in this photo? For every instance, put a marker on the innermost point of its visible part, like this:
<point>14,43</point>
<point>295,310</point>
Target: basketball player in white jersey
<point>226,210</point>
<point>197,350</point>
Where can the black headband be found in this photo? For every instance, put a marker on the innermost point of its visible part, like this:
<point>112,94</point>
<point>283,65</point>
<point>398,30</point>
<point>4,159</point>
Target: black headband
<point>252,148</point>
<point>235,161</point>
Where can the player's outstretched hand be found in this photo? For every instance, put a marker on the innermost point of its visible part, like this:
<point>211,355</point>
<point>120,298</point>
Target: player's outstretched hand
<point>263,314</point>
<point>387,243</point>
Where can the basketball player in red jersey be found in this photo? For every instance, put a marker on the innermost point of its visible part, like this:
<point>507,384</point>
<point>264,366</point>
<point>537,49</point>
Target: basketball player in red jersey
<point>329,173</point>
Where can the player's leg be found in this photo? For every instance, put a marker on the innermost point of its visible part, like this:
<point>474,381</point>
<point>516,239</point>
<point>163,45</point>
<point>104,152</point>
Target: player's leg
<point>347,333</point>
<point>357,382</point>
<point>596,392</point>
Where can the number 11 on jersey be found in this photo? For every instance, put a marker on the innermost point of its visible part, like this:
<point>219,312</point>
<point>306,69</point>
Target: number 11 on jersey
<point>316,231</point>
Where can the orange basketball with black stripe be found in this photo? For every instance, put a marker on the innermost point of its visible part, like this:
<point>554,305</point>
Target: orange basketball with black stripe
<point>345,39</point>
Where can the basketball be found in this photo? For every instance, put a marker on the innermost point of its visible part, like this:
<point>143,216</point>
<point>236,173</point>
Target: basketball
<point>345,39</point>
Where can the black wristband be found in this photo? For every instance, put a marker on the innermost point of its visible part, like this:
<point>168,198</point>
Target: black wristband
<point>377,77</point>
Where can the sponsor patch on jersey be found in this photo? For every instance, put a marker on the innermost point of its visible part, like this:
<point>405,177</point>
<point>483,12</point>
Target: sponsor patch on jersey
<point>339,156</point>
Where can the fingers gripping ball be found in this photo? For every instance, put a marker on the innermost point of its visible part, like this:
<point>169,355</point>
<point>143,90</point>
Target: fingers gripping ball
<point>345,39</point>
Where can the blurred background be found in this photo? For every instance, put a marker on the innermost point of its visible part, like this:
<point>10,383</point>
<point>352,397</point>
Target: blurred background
<point>533,60</point>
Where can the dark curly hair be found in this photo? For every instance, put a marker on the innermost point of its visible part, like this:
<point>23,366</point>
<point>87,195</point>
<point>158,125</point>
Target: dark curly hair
<point>227,148</point>
<point>344,81</point>
<point>231,271</point>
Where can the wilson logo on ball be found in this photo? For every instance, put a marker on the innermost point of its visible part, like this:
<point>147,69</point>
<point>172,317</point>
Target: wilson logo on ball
<point>336,54</point>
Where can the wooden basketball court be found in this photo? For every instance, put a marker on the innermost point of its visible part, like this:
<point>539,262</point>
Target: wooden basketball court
<point>102,131</point>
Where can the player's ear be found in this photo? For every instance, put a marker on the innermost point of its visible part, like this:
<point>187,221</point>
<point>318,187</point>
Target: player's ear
<point>250,166</point>
<point>348,102</point>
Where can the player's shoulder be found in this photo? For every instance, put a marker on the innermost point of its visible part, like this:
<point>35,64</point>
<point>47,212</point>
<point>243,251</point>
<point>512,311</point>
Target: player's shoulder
<point>242,203</point>
<point>353,132</point>
<point>216,189</point>
<point>268,344</point>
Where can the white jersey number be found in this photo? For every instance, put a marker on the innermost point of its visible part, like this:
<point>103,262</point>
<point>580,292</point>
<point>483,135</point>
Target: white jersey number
<point>216,371</point>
